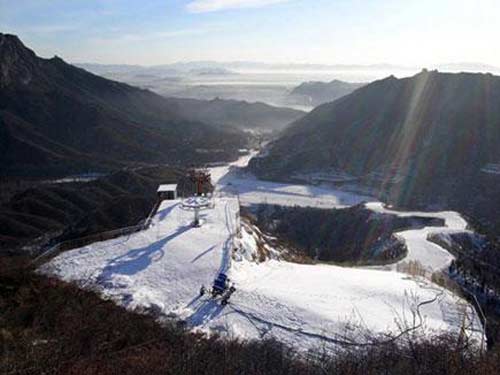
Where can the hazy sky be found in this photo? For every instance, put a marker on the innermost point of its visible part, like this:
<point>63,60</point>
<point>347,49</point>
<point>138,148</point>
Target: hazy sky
<point>409,32</point>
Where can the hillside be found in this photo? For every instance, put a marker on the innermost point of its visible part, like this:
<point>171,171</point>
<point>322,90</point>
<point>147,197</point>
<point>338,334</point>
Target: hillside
<point>56,118</point>
<point>315,93</point>
<point>75,209</point>
<point>237,113</point>
<point>431,139</point>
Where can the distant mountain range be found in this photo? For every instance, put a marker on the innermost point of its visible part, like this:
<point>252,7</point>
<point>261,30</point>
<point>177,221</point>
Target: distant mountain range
<point>315,93</point>
<point>431,139</point>
<point>298,86</point>
<point>56,119</point>
<point>183,67</point>
<point>157,70</point>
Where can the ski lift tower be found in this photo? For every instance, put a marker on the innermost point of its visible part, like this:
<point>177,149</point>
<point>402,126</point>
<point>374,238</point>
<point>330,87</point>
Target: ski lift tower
<point>196,204</point>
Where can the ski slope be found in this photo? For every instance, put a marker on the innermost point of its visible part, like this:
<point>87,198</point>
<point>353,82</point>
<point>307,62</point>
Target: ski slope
<point>160,271</point>
<point>314,305</point>
<point>432,257</point>
<point>250,190</point>
<point>162,267</point>
<point>429,254</point>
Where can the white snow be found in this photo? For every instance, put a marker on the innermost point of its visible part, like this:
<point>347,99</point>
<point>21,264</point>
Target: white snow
<point>301,304</point>
<point>427,253</point>
<point>491,168</point>
<point>163,266</point>
<point>330,176</point>
<point>253,191</point>
<point>305,306</point>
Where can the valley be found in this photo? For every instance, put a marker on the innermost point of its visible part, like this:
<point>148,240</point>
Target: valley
<point>278,85</point>
<point>261,187</point>
<point>57,119</point>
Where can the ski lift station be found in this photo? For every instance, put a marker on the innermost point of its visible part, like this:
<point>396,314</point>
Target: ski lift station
<point>167,192</point>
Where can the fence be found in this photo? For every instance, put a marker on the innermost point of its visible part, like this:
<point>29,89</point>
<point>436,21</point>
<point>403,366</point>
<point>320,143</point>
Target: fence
<point>102,236</point>
<point>108,235</point>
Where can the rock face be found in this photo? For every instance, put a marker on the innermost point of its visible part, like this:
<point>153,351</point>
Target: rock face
<point>17,63</point>
<point>56,118</point>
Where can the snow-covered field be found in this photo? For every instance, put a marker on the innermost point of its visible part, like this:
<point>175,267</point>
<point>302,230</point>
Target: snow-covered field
<point>161,270</point>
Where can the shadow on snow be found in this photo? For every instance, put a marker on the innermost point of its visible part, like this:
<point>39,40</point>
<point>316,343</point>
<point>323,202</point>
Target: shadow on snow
<point>137,260</point>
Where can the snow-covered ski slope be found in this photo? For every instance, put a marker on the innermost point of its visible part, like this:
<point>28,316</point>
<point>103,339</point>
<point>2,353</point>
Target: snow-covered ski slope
<point>162,267</point>
<point>306,306</point>
<point>253,191</point>
<point>429,254</point>
<point>312,305</point>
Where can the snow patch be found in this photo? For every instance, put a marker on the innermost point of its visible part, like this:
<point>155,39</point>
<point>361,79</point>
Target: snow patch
<point>247,245</point>
<point>491,168</point>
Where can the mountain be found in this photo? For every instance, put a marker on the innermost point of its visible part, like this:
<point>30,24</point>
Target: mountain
<point>238,113</point>
<point>226,112</point>
<point>186,66</point>
<point>430,139</point>
<point>56,118</point>
<point>315,93</point>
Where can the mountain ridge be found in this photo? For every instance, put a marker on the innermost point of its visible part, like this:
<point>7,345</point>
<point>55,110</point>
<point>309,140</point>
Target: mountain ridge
<point>416,142</point>
<point>184,66</point>
<point>56,119</point>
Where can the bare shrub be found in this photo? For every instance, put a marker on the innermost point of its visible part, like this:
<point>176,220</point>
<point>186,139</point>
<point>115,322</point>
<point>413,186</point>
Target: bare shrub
<point>413,268</point>
<point>47,326</point>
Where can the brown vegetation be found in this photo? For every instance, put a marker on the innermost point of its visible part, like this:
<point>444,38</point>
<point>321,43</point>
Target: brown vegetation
<point>47,326</point>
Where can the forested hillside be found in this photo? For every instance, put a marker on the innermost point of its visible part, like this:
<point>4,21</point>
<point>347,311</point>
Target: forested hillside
<point>58,119</point>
